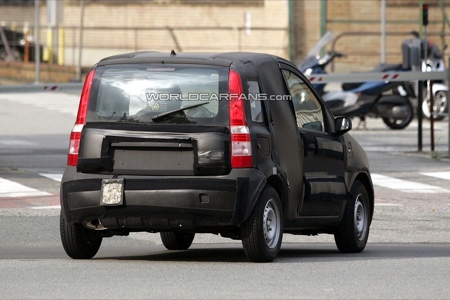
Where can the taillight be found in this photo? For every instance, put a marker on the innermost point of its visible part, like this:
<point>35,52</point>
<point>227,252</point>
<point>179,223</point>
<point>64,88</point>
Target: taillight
<point>75,135</point>
<point>241,146</point>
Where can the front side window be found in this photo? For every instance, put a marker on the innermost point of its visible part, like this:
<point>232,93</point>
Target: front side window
<point>177,94</point>
<point>308,109</point>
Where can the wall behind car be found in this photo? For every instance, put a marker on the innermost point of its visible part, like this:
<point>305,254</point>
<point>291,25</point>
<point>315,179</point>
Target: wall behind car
<point>23,73</point>
<point>112,27</point>
<point>116,26</point>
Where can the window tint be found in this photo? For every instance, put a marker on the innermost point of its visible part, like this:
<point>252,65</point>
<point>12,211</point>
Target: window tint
<point>139,93</point>
<point>308,110</point>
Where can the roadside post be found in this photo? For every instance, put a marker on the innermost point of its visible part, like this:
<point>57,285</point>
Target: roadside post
<point>430,83</point>
<point>37,52</point>
<point>448,107</point>
<point>425,55</point>
<point>431,95</point>
<point>411,54</point>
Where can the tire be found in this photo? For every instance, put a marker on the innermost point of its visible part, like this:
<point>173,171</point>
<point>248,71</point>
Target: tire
<point>353,232</point>
<point>439,107</point>
<point>78,242</point>
<point>262,232</point>
<point>400,123</point>
<point>177,240</point>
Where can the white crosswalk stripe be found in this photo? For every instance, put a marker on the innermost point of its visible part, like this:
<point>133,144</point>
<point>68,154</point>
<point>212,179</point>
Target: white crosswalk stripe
<point>47,207</point>
<point>57,101</point>
<point>9,189</point>
<point>440,175</point>
<point>387,204</point>
<point>405,186</point>
<point>55,177</point>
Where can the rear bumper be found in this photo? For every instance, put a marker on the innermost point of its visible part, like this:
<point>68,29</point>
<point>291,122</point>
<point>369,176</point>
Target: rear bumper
<point>158,203</point>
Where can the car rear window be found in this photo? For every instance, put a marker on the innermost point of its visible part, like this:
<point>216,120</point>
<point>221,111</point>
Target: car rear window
<point>158,93</point>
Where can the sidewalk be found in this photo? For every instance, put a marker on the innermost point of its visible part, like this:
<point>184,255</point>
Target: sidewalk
<point>6,81</point>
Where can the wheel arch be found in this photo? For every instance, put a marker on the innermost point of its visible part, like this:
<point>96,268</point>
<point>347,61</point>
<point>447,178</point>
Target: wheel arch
<point>364,178</point>
<point>277,183</point>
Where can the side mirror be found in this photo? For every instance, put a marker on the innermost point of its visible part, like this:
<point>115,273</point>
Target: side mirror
<point>342,125</point>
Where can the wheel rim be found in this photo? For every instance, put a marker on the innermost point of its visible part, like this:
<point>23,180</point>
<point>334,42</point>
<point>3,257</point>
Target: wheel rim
<point>399,123</point>
<point>360,218</point>
<point>271,224</point>
<point>440,101</point>
<point>440,104</point>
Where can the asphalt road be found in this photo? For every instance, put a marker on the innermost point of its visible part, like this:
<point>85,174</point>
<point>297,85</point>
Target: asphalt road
<point>408,255</point>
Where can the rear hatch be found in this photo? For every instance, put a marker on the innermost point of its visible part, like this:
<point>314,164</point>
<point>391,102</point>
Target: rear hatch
<point>155,119</point>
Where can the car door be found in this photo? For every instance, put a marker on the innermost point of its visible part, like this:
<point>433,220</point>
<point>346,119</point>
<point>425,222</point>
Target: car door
<point>323,155</point>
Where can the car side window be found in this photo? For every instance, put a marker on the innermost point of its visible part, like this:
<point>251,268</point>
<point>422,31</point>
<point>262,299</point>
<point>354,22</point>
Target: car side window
<point>308,111</point>
<point>255,103</point>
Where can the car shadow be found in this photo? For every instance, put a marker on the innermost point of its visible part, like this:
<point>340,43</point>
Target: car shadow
<point>290,253</point>
<point>197,253</point>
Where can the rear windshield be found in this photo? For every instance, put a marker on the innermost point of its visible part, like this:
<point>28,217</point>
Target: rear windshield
<point>163,94</point>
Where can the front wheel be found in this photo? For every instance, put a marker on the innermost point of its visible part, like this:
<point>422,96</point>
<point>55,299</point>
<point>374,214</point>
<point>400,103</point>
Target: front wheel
<point>353,232</point>
<point>78,242</point>
<point>439,107</point>
<point>262,233</point>
<point>177,240</point>
<point>403,122</point>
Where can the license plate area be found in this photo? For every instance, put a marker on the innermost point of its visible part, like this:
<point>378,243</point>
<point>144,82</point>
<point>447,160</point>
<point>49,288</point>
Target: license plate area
<point>112,192</point>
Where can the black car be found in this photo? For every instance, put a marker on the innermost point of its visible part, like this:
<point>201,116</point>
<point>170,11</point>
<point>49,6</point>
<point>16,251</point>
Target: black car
<point>235,144</point>
<point>15,41</point>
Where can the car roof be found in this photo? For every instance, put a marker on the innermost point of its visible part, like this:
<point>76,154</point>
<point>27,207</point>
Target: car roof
<point>214,58</point>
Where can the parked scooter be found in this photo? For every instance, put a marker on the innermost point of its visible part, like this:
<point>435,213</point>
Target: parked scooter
<point>367,99</point>
<point>434,62</point>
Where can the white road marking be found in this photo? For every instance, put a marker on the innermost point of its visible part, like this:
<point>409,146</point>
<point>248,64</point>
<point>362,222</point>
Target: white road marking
<point>388,204</point>
<point>55,177</point>
<point>14,142</point>
<point>10,188</point>
<point>47,207</point>
<point>405,186</point>
<point>57,101</point>
<point>440,175</point>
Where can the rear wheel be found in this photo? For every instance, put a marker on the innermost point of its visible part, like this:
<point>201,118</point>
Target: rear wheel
<point>177,240</point>
<point>353,232</point>
<point>78,242</point>
<point>262,233</point>
<point>401,123</point>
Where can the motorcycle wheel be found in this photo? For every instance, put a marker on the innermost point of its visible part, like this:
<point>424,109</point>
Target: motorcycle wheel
<point>439,107</point>
<point>400,123</point>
